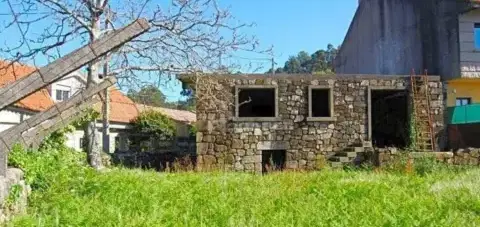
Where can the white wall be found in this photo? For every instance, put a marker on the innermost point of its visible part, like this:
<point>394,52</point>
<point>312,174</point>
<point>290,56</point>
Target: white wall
<point>69,83</point>
<point>74,140</point>
<point>9,118</point>
<point>469,56</point>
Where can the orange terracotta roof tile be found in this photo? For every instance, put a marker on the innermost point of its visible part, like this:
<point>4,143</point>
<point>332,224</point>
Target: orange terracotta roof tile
<point>122,108</point>
<point>37,101</point>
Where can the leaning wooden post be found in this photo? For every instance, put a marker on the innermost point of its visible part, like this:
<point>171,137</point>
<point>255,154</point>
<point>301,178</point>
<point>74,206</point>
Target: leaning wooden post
<point>13,134</point>
<point>70,63</point>
<point>33,137</point>
<point>52,72</point>
<point>33,130</point>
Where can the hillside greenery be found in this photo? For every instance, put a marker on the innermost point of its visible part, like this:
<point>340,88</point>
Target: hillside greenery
<point>320,62</point>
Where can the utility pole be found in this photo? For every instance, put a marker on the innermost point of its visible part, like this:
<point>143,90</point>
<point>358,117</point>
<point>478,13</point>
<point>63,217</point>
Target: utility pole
<point>273,65</point>
<point>106,102</point>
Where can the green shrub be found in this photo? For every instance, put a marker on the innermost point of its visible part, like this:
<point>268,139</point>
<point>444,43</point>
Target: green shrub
<point>154,123</point>
<point>42,167</point>
<point>420,165</point>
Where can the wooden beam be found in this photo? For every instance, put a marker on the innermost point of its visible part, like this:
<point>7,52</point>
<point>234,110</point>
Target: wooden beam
<point>13,134</point>
<point>34,136</point>
<point>70,63</point>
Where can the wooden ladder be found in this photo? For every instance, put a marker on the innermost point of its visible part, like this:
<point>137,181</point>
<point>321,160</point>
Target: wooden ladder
<point>424,136</point>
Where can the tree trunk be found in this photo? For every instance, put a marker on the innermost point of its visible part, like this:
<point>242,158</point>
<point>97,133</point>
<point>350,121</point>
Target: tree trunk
<point>91,142</point>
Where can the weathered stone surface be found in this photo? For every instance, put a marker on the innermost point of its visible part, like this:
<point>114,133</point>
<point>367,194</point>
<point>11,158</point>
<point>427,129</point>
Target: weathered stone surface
<point>15,179</point>
<point>302,138</point>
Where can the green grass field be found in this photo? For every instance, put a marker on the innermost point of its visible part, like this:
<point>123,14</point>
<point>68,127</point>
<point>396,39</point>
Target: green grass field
<point>66,193</point>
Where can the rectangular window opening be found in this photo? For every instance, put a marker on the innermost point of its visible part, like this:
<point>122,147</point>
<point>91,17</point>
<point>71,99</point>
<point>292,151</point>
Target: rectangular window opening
<point>62,95</point>
<point>477,36</point>
<point>273,160</point>
<point>81,143</point>
<point>463,101</point>
<point>320,100</point>
<point>58,95</point>
<point>66,95</point>
<point>256,102</point>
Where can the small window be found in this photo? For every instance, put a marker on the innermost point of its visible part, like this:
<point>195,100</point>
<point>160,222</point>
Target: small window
<point>320,103</point>
<point>66,95</point>
<point>117,143</point>
<point>463,101</point>
<point>81,143</point>
<point>58,95</point>
<point>256,102</point>
<point>477,36</point>
<point>61,95</point>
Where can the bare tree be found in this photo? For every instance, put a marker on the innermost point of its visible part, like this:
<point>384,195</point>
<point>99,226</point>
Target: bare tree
<point>186,36</point>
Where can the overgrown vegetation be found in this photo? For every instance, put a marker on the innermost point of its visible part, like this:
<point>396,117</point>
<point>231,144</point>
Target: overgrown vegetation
<point>66,192</point>
<point>320,62</point>
<point>150,127</point>
<point>154,123</point>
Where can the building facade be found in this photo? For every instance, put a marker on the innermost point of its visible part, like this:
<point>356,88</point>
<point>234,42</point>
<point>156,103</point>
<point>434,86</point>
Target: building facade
<point>122,109</point>
<point>300,121</point>
<point>441,37</point>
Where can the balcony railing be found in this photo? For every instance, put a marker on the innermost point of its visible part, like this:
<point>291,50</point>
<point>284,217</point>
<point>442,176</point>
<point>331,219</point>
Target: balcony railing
<point>464,114</point>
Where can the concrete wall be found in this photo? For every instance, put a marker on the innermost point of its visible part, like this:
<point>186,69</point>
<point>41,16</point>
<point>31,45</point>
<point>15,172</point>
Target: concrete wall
<point>12,116</point>
<point>469,56</point>
<point>382,39</point>
<point>74,138</point>
<point>396,36</point>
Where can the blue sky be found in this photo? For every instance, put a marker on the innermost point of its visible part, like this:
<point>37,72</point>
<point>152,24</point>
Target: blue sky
<point>289,26</point>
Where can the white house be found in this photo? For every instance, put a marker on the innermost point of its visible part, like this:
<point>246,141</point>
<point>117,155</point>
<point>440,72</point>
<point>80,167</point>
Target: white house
<point>122,109</point>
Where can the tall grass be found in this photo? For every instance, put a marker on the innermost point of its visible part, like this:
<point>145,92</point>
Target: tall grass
<point>67,193</point>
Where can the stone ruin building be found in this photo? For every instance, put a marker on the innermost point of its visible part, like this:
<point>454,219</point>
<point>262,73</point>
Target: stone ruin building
<point>246,122</point>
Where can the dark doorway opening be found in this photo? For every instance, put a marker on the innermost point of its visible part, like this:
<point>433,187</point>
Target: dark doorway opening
<point>256,102</point>
<point>389,116</point>
<point>273,160</point>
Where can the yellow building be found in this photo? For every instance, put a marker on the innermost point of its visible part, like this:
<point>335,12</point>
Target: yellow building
<point>463,91</point>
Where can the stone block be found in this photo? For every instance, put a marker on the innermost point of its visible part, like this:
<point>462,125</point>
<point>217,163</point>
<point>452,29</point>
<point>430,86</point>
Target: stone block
<point>248,159</point>
<point>291,165</point>
<point>14,174</point>
<point>250,168</point>
<point>237,144</point>
<point>202,148</point>
<point>273,145</point>
<point>209,160</point>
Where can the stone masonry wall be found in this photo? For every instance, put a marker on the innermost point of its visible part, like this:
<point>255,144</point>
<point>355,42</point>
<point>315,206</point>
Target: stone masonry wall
<point>467,156</point>
<point>13,194</point>
<point>230,143</point>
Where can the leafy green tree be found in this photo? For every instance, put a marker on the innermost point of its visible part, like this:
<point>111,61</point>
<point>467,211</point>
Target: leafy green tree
<point>148,95</point>
<point>305,61</point>
<point>292,65</point>
<point>320,62</point>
